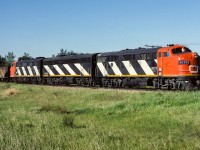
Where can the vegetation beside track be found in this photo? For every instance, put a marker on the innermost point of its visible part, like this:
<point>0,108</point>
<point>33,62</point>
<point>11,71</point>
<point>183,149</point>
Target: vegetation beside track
<point>43,117</point>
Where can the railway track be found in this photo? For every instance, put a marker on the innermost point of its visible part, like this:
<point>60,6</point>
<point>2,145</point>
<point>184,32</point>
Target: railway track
<point>126,89</point>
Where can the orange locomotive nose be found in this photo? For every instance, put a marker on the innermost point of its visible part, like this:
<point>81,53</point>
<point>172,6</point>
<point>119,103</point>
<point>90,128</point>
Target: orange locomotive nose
<point>177,61</point>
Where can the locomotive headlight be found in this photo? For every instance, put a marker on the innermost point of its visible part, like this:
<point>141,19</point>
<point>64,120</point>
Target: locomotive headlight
<point>193,69</point>
<point>183,62</point>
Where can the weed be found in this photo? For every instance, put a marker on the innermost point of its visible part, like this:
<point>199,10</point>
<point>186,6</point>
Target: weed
<point>68,121</point>
<point>45,108</point>
<point>52,108</point>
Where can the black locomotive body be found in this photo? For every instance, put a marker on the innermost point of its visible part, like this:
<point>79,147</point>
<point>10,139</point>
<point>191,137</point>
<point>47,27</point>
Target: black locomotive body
<point>29,71</point>
<point>130,67</point>
<point>77,69</point>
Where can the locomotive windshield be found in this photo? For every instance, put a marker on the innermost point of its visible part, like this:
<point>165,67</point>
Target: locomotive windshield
<point>180,50</point>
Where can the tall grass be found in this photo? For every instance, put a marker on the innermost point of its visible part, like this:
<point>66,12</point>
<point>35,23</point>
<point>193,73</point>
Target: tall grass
<point>42,117</point>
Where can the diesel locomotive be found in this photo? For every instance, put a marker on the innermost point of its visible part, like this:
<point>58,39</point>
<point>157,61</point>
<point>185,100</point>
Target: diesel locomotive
<point>170,67</point>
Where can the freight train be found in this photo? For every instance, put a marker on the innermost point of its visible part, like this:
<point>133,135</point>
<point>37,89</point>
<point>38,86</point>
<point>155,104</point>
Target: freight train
<point>170,67</point>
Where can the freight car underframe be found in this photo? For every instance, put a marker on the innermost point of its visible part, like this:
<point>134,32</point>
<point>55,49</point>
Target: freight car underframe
<point>177,83</point>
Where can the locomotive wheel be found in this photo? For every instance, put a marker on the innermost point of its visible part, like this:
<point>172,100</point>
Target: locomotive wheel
<point>110,84</point>
<point>79,82</point>
<point>115,85</point>
<point>91,83</point>
<point>123,85</point>
<point>188,86</point>
<point>105,83</point>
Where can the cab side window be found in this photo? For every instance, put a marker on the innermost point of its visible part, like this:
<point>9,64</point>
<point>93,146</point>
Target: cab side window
<point>166,54</point>
<point>163,54</point>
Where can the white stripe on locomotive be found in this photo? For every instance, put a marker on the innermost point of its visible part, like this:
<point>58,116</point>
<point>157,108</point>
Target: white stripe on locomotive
<point>102,69</point>
<point>69,69</point>
<point>58,69</point>
<point>29,70</point>
<point>48,70</point>
<point>81,69</point>
<point>18,71</point>
<point>36,70</point>
<point>156,61</point>
<point>24,71</point>
<point>129,67</point>
<point>145,67</point>
<point>115,68</point>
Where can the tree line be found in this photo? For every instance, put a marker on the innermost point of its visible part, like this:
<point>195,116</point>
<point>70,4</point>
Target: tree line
<point>10,57</point>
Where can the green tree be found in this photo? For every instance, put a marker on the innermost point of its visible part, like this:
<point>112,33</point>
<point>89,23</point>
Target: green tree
<point>26,56</point>
<point>65,53</point>
<point>10,57</point>
<point>62,52</point>
<point>53,56</point>
<point>71,52</point>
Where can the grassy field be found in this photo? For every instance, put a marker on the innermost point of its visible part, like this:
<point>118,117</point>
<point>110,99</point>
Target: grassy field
<point>43,117</point>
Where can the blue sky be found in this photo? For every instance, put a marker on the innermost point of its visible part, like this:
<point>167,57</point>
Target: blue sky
<point>43,27</point>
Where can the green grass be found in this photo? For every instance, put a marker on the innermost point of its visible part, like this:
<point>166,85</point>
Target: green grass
<point>43,117</point>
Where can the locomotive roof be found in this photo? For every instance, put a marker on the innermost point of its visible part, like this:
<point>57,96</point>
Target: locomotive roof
<point>131,51</point>
<point>122,52</point>
<point>70,57</point>
<point>30,60</point>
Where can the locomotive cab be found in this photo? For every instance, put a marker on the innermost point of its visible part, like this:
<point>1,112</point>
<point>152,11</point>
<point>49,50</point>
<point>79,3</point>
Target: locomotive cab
<point>178,61</point>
